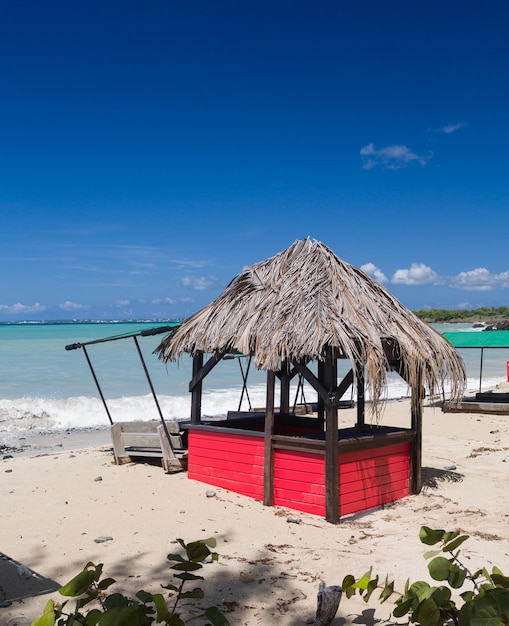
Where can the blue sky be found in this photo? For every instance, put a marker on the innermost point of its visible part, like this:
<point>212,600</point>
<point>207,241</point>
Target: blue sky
<point>151,150</point>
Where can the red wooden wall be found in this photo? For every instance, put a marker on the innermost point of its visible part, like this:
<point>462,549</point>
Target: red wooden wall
<point>299,481</point>
<point>370,478</point>
<point>228,460</point>
<point>367,478</point>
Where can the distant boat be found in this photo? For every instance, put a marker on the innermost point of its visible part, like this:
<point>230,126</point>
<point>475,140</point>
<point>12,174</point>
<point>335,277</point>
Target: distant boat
<point>479,325</point>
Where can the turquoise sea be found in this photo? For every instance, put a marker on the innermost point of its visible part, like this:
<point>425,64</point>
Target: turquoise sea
<point>43,386</point>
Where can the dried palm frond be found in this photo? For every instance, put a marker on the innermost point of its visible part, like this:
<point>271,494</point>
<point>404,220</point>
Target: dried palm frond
<point>305,299</point>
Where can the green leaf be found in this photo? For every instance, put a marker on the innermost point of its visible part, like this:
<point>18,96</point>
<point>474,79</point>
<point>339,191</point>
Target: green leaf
<point>500,580</point>
<point>175,557</point>
<point>491,609</point>
<point>144,596</point>
<point>175,621</point>
<point>105,583</point>
<point>93,617</point>
<point>372,585</point>
<point>196,593</point>
<point>48,616</point>
<point>120,616</point>
<point>439,568</point>
<point>387,592</point>
<point>115,600</point>
<point>197,551</point>
<point>427,613</point>
<point>363,582</point>
<point>162,612</point>
<point>420,590</point>
<point>79,584</point>
<point>188,576</point>
<point>402,608</point>
<point>449,536</point>
<point>216,617</point>
<point>453,545</point>
<point>431,553</point>
<point>187,566</point>
<point>429,536</point>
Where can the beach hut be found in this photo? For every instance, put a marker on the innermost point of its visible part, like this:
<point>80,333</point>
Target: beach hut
<point>298,314</point>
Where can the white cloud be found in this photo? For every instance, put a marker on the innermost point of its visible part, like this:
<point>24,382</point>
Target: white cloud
<point>480,279</point>
<point>374,271</point>
<point>163,301</point>
<point>22,308</point>
<point>418,274</point>
<point>72,306</point>
<point>392,157</point>
<point>199,283</point>
<point>121,303</point>
<point>451,128</point>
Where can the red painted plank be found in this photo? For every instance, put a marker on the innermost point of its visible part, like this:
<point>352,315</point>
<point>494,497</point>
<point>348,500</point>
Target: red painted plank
<point>227,460</point>
<point>372,502</point>
<point>372,478</point>
<point>299,481</point>
<point>385,451</point>
<point>349,480</point>
<point>368,478</point>
<point>301,507</point>
<point>252,491</point>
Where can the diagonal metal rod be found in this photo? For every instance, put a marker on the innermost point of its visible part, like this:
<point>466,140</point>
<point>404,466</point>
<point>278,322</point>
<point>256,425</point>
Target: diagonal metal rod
<point>97,384</point>
<point>152,389</point>
<point>244,383</point>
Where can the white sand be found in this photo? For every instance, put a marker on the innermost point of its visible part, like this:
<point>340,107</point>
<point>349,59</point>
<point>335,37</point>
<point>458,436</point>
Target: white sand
<point>54,505</point>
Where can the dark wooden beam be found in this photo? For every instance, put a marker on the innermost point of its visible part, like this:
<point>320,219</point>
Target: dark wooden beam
<point>343,386</point>
<point>321,403</point>
<point>196,389</point>
<point>328,395</point>
<point>200,373</point>
<point>313,381</point>
<point>416,460</point>
<point>268,463</point>
<point>361,398</point>
<point>284,398</point>
<point>332,495</point>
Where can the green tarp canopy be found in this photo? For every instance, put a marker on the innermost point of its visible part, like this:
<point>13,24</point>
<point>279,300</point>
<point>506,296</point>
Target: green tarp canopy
<point>480,339</point>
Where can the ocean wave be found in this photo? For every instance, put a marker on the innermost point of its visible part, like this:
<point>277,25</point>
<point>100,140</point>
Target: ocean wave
<point>84,412</point>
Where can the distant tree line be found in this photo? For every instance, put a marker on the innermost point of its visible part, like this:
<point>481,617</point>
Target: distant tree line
<point>463,315</point>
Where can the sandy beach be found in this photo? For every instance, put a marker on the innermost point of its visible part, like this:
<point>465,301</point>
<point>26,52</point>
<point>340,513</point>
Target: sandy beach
<point>61,493</point>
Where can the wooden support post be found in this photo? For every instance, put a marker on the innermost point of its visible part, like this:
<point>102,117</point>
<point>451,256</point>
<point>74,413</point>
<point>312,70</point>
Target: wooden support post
<point>197,390</point>
<point>361,398</point>
<point>284,399</point>
<point>268,469</point>
<point>321,405</point>
<point>332,495</point>
<point>416,460</point>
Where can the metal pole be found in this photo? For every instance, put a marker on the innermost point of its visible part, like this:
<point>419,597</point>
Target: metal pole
<point>244,383</point>
<point>480,374</point>
<point>97,384</point>
<point>152,390</point>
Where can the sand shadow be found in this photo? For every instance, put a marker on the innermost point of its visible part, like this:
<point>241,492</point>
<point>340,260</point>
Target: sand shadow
<point>432,476</point>
<point>18,582</point>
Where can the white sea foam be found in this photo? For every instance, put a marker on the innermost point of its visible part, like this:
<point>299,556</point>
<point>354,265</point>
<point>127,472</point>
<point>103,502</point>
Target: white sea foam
<point>85,412</point>
<point>44,387</point>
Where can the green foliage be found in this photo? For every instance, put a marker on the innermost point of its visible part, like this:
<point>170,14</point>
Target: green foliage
<point>486,603</point>
<point>145,608</point>
<point>444,315</point>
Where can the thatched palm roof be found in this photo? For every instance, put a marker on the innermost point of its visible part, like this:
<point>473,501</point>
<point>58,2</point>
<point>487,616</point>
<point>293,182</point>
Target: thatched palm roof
<point>297,303</point>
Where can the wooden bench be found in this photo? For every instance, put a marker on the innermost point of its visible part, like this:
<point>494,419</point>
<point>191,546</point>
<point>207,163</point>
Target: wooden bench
<point>149,440</point>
